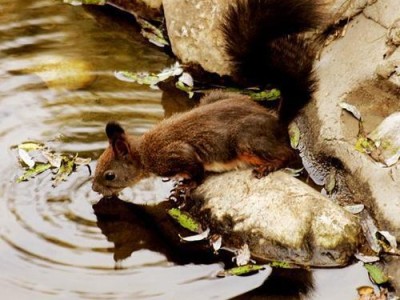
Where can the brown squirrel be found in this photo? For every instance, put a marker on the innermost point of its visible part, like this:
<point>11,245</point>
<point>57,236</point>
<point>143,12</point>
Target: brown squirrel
<point>227,131</point>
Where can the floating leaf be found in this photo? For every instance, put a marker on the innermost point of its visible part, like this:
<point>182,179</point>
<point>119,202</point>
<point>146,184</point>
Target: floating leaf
<point>53,158</point>
<point>185,220</point>
<point>25,157</point>
<point>351,109</point>
<point>66,168</point>
<point>242,270</point>
<point>80,161</point>
<point>198,237</point>
<point>139,77</point>
<point>29,146</point>
<point>39,168</point>
<point>376,273</point>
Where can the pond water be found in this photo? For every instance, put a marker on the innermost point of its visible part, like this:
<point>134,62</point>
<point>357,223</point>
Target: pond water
<point>62,243</point>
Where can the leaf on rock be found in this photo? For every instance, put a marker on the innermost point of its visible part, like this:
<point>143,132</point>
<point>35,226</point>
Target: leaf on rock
<point>294,134</point>
<point>185,220</point>
<point>376,274</point>
<point>198,237</point>
<point>354,209</point>
<point>351,109</point>
<point>152,33</point>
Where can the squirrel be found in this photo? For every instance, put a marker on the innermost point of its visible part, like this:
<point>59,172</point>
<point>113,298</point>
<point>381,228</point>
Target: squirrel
<point>228,131</point>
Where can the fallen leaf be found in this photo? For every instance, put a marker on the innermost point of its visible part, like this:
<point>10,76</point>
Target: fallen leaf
<point>25,157</point>
<point>39,168</point>
<point>242,270</point>
<point>351,109</point>
<point>198,237</point>
<point>376,274</point>
<point>185,220</point>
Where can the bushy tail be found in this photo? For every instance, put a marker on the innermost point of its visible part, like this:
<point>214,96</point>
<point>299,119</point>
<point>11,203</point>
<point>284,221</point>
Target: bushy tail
<point>264,46</point>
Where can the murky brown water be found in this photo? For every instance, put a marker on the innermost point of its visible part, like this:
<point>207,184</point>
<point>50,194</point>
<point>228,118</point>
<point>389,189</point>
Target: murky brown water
<point>54,243</point>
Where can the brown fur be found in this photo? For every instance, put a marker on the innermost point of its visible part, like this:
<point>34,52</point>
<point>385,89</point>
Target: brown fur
<point>223,135</point>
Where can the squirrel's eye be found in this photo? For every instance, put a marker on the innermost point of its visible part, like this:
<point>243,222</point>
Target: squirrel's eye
<point>109,175</point>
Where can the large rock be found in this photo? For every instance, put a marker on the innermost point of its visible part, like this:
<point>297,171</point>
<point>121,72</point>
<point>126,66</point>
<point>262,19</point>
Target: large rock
<point>193,30</point>
<point>347,72</point>
<point>279,217</point>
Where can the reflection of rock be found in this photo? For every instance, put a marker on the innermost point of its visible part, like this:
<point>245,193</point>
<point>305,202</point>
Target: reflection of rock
<point>148,9</point>
<point>280,218</point>
<point>64,73</point>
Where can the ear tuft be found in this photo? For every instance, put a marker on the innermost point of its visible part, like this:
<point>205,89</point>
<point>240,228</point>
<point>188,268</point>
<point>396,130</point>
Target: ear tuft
<point>114,130</point>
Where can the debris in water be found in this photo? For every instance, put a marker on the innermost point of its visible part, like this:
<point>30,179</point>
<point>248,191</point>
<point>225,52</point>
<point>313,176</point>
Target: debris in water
<point>152,33</point>
<point>62,164</point>
<point>242,270</point>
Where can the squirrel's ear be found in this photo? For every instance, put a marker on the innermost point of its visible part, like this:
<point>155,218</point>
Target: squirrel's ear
<point>114,130</point>
<point>117,138</point>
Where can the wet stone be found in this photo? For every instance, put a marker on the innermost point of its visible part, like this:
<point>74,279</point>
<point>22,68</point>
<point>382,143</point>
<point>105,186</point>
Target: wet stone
<point>279,217</point>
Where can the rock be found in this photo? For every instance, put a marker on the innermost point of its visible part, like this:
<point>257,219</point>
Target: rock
<point>194,35</point>
<point>279,217</point>
<point>347,73</point>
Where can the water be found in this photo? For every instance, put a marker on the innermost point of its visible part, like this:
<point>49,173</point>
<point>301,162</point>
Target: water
<point>57,243</point>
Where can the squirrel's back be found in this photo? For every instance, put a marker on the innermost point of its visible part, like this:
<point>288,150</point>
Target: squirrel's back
<point>265,45</point>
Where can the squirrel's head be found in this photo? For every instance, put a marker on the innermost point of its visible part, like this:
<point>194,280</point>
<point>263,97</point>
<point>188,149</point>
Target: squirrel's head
<point>119,166</point>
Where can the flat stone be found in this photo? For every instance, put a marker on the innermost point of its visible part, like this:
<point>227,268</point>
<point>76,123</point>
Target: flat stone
<point>280,218</point>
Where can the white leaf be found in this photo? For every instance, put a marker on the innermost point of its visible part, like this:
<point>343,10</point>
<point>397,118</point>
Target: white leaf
<point>197,237</point>
<point>352,109</point>
<point>354,209</point>
<point>187,79</point>
<point>366,258</point>
<point>25,157</point>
